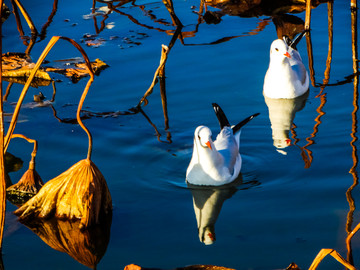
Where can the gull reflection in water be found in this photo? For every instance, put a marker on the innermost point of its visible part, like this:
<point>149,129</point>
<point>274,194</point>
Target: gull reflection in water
<point>282,113</point>
<point>208,201</point>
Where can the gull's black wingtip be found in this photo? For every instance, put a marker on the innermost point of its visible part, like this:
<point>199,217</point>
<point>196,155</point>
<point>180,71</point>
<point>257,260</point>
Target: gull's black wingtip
<point>223,121</point>
<point>244,122</point>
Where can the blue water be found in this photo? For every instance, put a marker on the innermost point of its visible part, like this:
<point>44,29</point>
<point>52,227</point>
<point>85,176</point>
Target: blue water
<point>282,213</point>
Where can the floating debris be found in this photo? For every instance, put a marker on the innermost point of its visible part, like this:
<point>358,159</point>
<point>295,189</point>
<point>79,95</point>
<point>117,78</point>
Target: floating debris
<point>20,65</point>
<point>79,70</point>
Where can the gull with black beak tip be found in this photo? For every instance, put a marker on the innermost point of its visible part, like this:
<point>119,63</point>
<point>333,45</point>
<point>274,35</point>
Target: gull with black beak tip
<point>218,162</point>
<point>286,76</point>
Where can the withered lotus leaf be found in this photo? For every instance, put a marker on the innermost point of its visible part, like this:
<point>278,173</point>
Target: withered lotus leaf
<point>79,70</point>
<point>20,65</point>
<point>80,192</point>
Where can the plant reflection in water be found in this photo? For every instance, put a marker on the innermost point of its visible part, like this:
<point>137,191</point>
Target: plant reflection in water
<point>85,246</point>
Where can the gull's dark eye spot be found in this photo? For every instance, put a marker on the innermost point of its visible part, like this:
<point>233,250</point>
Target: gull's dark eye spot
<point>199,137</point>
<point>276,49</point>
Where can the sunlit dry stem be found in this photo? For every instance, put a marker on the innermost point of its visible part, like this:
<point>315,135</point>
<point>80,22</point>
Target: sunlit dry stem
<point>350,236</point>
<point>27,17</point>
<point>324,252</point>
<point>164,54</point>
<point>33,153</point>
<point>31,77</point>
<point>2,166</point>
<point>170,7</point>
<point>308,15</point>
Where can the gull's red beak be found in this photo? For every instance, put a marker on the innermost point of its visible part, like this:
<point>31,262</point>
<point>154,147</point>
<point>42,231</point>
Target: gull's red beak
<point>287,55</point>
<point>208,145</point>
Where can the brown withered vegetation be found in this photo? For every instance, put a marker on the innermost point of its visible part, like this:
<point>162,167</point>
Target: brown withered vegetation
<point>20,65</point>
<point>16,67</point>
<point>29,184</point>
<point>79,192</point>
<point>79,70</point>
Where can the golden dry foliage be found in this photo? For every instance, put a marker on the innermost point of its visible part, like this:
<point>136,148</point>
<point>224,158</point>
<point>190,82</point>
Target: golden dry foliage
<point>80,192</point>
<point>80,70</point>
<point>85,246</point>
<point>19,65</point>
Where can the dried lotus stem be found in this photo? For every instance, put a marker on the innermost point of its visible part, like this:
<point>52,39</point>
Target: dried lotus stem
<point>31,77</point>
<point>80,192</point>
<point>164,54</point>
<point>308,15</point>
<point>324,252</point>
<point>27,17</point>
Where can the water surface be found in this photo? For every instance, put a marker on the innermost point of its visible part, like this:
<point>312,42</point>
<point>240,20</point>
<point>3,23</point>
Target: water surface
<point>292,201</point>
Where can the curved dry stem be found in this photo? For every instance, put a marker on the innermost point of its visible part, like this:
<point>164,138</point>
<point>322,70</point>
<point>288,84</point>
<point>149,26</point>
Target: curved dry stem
<point>350,236</point>
<point>27,17</point>
<point>46,51</point>
<point>33,154</point>
<point>164,54</point>
<point>324,252</point>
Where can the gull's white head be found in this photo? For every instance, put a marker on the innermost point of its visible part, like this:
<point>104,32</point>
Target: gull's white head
<point>203,136</point>
<point>279,49</point>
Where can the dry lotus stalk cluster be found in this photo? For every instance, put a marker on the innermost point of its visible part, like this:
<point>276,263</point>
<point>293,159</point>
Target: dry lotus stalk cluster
<point>80,192</point>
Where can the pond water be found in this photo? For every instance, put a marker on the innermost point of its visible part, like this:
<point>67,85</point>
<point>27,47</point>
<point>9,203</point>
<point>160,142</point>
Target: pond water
<point>291,202</point>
